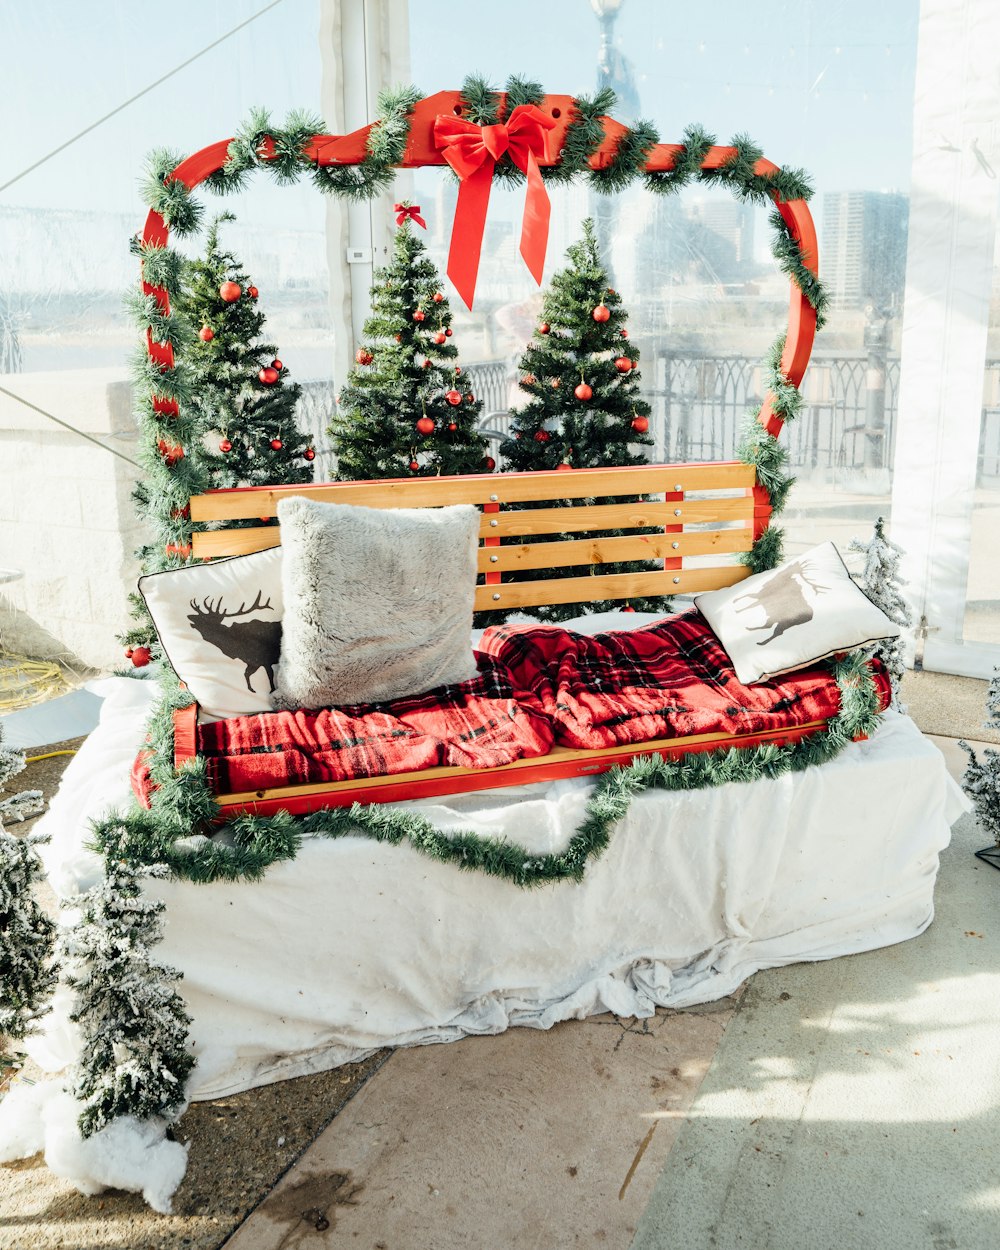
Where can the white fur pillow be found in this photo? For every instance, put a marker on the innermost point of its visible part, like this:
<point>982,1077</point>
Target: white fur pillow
<point>793,616</point>
<point>378,601</point>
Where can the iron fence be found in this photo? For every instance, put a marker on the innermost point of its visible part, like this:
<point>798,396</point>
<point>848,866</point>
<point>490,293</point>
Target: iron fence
<point>848,421</point>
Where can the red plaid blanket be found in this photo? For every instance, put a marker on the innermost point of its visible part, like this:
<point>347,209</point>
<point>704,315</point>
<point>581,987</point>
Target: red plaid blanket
<point>670,680</point>
<point>478,724</point>
<point>538,684</point>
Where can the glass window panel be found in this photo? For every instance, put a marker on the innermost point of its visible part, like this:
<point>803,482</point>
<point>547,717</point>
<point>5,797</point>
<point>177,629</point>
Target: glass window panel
<point>705,296</point>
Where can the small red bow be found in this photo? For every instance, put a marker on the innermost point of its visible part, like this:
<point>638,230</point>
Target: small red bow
<point>473,151</point>
<point>408,210</point>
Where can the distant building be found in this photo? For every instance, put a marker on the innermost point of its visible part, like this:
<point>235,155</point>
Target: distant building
<point>863,248</point>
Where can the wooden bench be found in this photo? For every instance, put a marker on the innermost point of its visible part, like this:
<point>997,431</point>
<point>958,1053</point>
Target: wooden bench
<point>697,518</point>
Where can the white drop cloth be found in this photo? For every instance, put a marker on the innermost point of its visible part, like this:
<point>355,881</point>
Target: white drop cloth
<point>355,945</point>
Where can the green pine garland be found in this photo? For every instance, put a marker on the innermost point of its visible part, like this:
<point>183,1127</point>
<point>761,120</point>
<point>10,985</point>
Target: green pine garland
<point>184,804</point>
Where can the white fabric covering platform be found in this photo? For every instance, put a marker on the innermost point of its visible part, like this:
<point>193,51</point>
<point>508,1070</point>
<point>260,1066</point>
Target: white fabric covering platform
<point>355,945</point>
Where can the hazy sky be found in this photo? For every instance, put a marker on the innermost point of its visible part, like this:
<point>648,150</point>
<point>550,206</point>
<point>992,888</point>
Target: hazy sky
<point>817,83</point>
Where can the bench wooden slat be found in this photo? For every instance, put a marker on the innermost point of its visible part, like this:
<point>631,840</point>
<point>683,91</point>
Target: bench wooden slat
<point>260,501</point>
<point>558,763</point>
<point>616,516</point>
<point>527,556</point>
<point>214,543</point>
<point>607,586</point>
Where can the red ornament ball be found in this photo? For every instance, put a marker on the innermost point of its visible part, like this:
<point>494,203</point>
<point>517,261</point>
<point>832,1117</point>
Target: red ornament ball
<point>276,364</point>
<point>528,380</point>
<point>252,292</point>
<point>611,290</point>
<point>542,436</point>
<point>623,364</point>
<point>490,463</point>
<point>624,334</point>
<point>364,357</point>
<point>438,297</point>
<point>470,398</point>
<point>543,328</point>
<point>225,445</point>
<point>601,312</point>
<point>448,332</point>
<point>308,454</point>
<point>452,426</point>
<point>419,315</point>
<point>276,444</point>
<point>425,426</point>
<point>640,424</point>
<point>439,337</point>
<point>628,608</point>
<point>414,466</point>
<point>563,467</point>
<point>583,392</point>
<point>427,364</point>
<point>268,376</point>
<point>458,370</point>
<point>399,338</point>
<point>140,656</point>
<point>206,334</point>
<point>230,292</point>
<point>128,653</point>
<point>454,398</point>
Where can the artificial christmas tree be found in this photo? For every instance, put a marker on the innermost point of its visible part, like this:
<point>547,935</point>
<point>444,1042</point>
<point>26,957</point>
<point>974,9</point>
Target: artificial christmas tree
<point>27,976</point>
<point>134,1059</point>
<point>981,780</point>
<point>239,388</point>
<point>581,374</point>
<point>880,581</point>
<point>406,408</point>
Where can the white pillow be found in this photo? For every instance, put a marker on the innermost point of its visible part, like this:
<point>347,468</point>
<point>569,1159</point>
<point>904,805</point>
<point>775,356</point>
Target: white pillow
<point>219,626</point>
<point>378,601</point>
<point>793,616</point>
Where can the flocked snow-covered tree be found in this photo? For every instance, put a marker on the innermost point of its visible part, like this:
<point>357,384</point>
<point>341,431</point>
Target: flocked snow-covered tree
<point>134,1059</point>
<point>27,934</point>
<point>880,581</point>
<point>981,780</point>
<point>406,408</point>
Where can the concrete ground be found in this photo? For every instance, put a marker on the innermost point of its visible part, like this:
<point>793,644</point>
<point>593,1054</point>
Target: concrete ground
<point>831,1106</point>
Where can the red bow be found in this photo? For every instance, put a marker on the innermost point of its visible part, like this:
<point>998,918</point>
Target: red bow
<point>408,210</point>
<point>473,151</point>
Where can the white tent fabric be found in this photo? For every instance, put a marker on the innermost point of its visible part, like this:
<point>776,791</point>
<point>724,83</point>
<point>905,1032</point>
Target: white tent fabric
<point>356,945</point>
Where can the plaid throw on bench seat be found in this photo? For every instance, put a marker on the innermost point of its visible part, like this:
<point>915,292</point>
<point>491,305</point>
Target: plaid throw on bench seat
<point>537,685</point>
<point>670,680</point>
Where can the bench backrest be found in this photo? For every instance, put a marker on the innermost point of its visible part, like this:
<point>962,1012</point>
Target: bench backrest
<point>696,518</point>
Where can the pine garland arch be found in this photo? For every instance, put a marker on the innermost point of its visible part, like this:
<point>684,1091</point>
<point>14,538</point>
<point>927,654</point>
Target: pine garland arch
<point>587,144</point>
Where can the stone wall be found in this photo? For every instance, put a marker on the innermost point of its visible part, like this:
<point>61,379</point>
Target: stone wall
<point>67,521</point>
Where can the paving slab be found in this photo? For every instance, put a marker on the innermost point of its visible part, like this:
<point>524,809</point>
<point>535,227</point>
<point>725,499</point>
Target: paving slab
<point>855,1104</point>
<point>529,1139</point>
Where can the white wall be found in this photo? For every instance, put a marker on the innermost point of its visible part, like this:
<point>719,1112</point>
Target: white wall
<point>67,521</point>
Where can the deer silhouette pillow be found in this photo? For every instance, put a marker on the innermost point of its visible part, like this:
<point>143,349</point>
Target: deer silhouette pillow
<point>220,628</point>
<point>793,616</point>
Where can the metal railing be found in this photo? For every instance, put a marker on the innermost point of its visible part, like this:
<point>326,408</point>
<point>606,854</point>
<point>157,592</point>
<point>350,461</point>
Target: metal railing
<point>699,402</point>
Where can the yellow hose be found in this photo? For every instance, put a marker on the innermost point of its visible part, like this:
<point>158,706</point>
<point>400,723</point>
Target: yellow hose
<point>24,682</point>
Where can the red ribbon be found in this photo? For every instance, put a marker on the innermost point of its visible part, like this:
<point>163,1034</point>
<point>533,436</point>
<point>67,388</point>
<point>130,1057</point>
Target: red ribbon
<point>408,210</point>
<point>473,151</point>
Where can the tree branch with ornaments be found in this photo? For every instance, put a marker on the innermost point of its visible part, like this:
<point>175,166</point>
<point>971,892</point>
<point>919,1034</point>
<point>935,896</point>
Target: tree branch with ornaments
<point>584,409</point>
